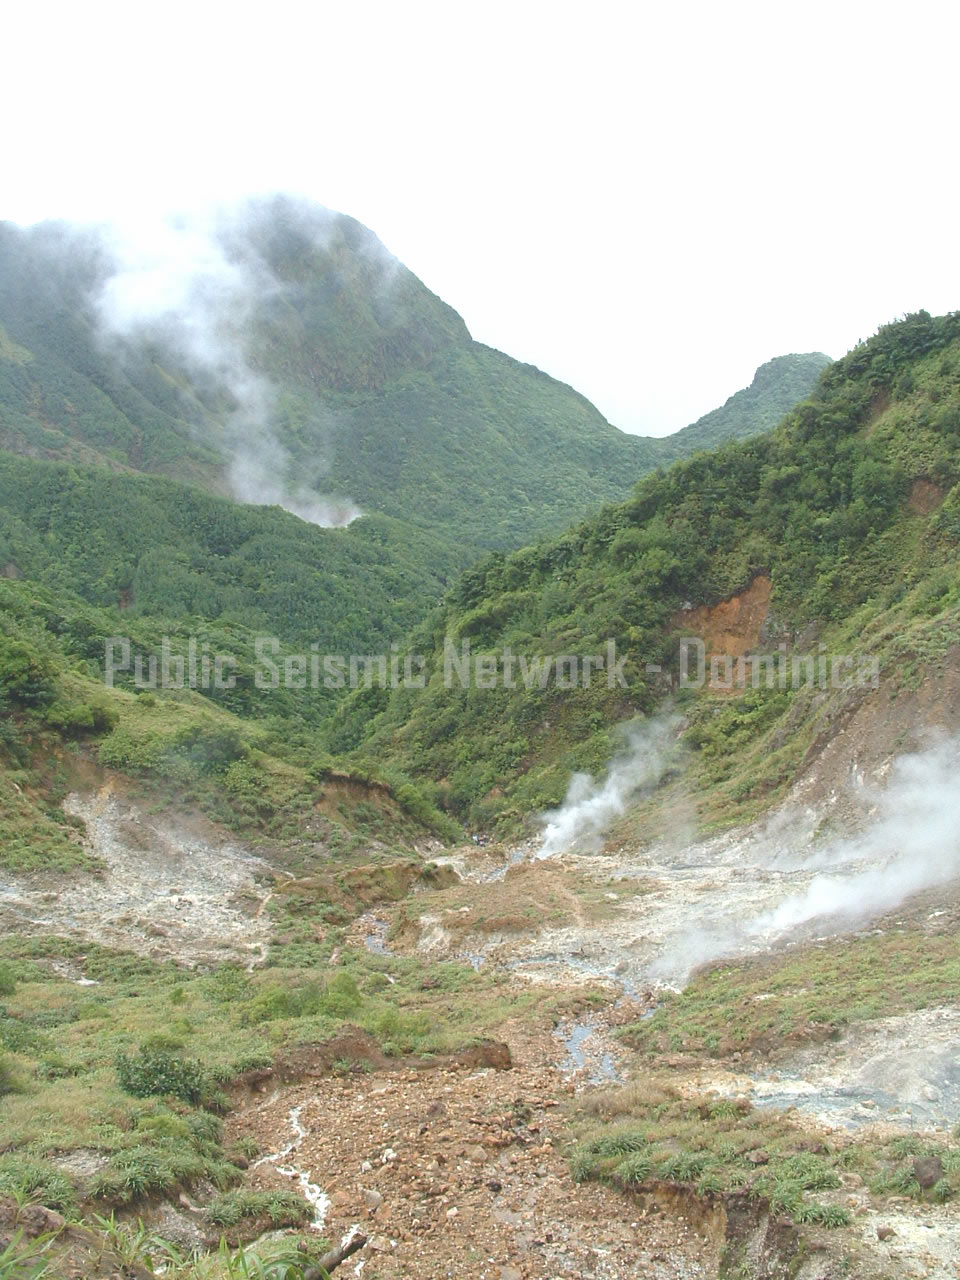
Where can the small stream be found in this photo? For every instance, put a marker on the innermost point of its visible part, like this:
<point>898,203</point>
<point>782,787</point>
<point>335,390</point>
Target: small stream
<point>375,939</point>
<point>315,1196</point>
<point>576,1038</point>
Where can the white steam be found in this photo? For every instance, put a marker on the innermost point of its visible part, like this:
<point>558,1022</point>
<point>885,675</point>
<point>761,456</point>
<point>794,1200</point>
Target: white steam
<point>913,843</point>
<point>771,885</point>
<point>590,807</point>
<point>177,279</point>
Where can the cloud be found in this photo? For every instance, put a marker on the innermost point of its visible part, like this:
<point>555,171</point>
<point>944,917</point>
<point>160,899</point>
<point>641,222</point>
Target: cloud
<point>194,283</point>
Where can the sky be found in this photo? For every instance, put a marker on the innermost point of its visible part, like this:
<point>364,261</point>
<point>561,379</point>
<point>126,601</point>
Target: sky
<point>646,201</point>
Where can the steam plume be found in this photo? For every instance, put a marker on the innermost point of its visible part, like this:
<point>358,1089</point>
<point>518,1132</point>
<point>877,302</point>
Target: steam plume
<point>590,806</point>
<point>911,843</point>
<point>194,283</point>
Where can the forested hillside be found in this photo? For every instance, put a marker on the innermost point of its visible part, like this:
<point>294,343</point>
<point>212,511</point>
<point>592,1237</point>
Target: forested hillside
<point>849,511</point>
<point>776,387</point>
<point>147,547</point>
<point>309,353</point>
<point>280,354</point>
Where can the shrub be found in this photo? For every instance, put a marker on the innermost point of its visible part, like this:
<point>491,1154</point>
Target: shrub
<point>155,1073</point>
<point>9,1081</point>
<point>26,677</point>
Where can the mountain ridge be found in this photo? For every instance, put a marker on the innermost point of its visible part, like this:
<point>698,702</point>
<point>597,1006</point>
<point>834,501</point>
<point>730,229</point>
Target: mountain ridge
<point>299,360</point>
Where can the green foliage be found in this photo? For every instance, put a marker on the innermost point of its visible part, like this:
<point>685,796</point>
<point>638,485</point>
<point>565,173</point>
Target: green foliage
<point>155,1073</point>
<point>450,448</point>
<point>280,1208</point>
<point>662,1137</point>
<point>10,1082</point>
<point>24,1260</point>
<point>27,1179</point>
<point>339,998</point>
<point>777,386</point>
<point>824,506</point>
<point>26,677</point>
<point>808,992</point>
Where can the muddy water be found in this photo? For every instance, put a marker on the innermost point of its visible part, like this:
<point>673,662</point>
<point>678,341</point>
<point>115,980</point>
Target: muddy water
<point>374,932</point>
<point>587,1052</point>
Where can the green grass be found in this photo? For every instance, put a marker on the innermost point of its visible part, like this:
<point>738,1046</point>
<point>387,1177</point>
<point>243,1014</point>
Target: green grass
<point>279,1208</point>
<point>126,1072</point>
<point>824,506</point>
<point>807,993</point>
<point>646,1133</point>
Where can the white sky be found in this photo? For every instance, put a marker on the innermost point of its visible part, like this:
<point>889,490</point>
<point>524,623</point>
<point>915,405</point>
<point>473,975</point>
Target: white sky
<point>645,200</point>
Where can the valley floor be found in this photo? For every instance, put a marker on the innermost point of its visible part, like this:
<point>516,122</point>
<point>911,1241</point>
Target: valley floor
<point>619,1111</point>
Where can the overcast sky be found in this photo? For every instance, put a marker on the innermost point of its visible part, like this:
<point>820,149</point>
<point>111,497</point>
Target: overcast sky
<point>647,201</point>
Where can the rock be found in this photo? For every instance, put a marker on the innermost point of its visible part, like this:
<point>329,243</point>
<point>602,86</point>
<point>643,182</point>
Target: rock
<point>372,1199</point>
<point>477,1154</point>
<point>884,1233</point>
<point>927,1170</point>
<point>453,1213</point>
<point>37,1219</point>
<point>758,1157</point>
<point>178,1228</point>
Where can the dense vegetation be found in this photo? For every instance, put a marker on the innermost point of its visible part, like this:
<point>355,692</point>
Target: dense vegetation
<point>369,381</point>
<point>850,507</point>
<point>155,557</point>
<point>776,387</point>
<point>370,384</point>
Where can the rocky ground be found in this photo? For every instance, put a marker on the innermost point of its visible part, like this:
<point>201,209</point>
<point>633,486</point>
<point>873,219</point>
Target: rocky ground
<point>174,887</point>
<point>460,1167</point>
<point>460,1171</point>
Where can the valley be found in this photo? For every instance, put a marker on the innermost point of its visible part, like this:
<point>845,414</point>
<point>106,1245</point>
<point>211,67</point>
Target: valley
<point>480,1056</point>
<point>642,974</point>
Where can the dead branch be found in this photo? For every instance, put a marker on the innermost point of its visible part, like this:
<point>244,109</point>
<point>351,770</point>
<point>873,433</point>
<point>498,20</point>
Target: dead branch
<point>333,1259</point>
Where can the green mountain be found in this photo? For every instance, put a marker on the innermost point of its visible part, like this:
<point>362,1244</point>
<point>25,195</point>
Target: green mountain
<point>839,528</point>
<point>213,891</point>
<point>776,387</point>
<point>301,361</point>
<point>282,355</point>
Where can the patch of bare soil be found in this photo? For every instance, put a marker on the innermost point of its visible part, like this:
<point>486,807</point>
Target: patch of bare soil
<point>461,1171</point>
<point>174,887</point>
<point>71,1252</point>
<point>732,626</point>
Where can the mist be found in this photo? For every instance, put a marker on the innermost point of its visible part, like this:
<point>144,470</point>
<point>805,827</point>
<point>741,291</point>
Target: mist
<point>912,843</point>
<point>194,284</point>
<point>590,806</point>
<point>785,889</point>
